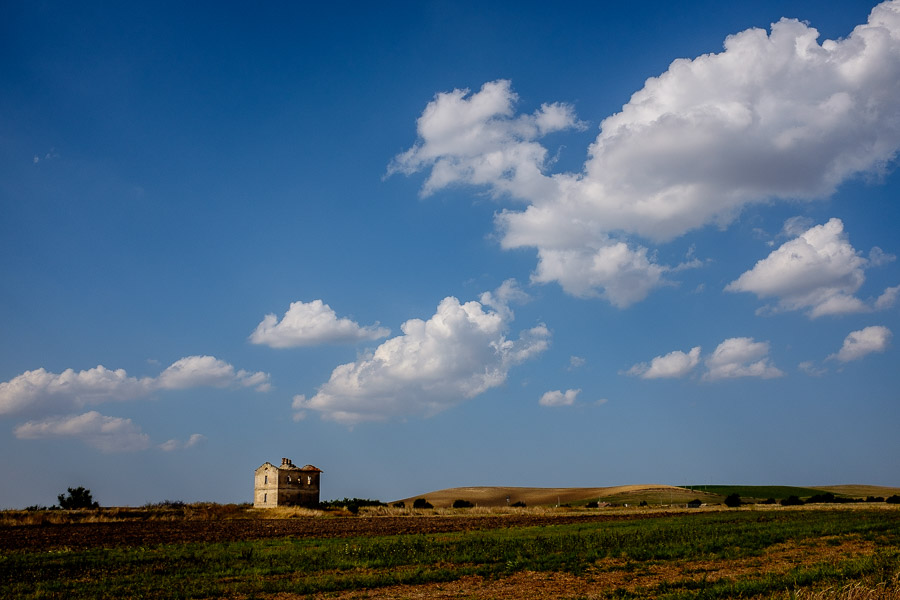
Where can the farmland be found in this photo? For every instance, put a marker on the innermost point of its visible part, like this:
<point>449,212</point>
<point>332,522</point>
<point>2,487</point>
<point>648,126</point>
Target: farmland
<point>850,551</point>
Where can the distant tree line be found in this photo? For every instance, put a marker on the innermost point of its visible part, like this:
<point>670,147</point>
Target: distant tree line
<point>829,498</point>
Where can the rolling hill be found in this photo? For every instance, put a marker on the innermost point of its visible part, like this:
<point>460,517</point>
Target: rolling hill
<point>504,496</point>
<point>499,496</point>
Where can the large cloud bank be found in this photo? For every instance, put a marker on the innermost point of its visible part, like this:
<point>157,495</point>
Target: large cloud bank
<point>43,391</point>
<point>458,353</point>
<point>52,399</point>
<point>774,116</point>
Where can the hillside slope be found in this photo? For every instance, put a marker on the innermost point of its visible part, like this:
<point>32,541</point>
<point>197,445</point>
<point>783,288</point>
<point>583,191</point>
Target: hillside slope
<point>498,496</point>
<point>503,496</point>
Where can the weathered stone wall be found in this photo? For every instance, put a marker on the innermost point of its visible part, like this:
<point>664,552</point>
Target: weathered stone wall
<point>265,486</point>
<point>299,488</point>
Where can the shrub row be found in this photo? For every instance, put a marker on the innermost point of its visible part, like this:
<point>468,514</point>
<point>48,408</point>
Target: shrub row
<point>351,504</point>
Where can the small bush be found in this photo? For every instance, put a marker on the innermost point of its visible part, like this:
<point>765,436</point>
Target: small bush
<point>77,498</point>
<point>421,503</point>
<point>518,504</point>
<point>399,504</point>
<point>895,499</point>
<point>166,504</point>
<point>875,499</point>
<point>732,501</point>
<point>791,501</point>
<point>462,504</point>
<point>769,501</point>
<point>825,498</point>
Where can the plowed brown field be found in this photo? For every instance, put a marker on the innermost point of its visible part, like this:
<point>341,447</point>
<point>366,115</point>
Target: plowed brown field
<point>151,533</point>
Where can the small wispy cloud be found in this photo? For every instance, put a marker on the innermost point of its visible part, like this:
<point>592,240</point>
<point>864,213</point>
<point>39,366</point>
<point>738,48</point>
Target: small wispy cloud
<point>576,362</point>
<point>559,398</point>
<point>173,445</point>
<point>672,365</point>
<point>107,434</point>
<point>311,324</point>
<point>859,344</point>
<point>38,158</point>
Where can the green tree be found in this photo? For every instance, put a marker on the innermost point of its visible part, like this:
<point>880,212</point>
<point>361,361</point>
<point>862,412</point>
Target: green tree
<point>732,501</point>
<point>77,498</point>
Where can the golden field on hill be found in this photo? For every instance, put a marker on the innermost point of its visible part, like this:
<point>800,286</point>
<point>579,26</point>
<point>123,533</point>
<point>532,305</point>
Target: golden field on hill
<point>531,496</point>
<point>499,496</point>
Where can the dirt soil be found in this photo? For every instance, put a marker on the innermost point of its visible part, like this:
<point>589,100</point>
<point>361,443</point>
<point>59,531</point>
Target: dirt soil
<point>151,533</point>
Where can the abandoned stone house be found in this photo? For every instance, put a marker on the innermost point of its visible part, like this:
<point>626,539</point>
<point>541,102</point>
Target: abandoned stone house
<point>287,485</point>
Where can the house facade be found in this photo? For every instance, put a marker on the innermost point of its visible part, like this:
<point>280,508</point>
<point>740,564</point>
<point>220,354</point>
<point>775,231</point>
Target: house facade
<point>286,485</point>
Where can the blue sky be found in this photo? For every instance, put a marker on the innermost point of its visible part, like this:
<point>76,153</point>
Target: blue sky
<point>430,245</point>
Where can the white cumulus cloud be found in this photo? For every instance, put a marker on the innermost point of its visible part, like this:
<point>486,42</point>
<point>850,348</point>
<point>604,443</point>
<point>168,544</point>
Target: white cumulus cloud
<point>740,357</point>
<point>40,391</point>
<point>775,115</point>
<point>860,343</point>
<point>310,324</point>
<point>207,371</point>
<point>614,271</point>
<point>107,434</point>
<point>477,139</point>
<point>888,298</point>
<point>559,398</point>
<point>458,353</point>
<point>672,365</point>
<point>818,271</point>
